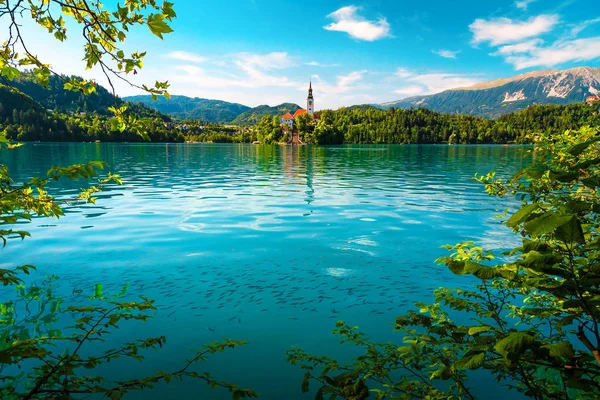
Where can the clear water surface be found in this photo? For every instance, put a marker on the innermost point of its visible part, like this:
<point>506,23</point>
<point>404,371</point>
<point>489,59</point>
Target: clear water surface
<point>269,244</point>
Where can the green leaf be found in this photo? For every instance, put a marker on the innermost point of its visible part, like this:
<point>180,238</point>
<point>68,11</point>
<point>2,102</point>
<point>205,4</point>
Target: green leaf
<point>478,329</point>
<point>564,177</point>
<point>157,25</point>
<point>472,362</point>
<point>98,291</point>
<point>580,147</point>
<point>10,73</point>
<point>478,270</point>
<point>562,349</point>
<point>546,223</point>
<point>521,215</point>
<point>571,232</point>
<point>512,346</point>
<point>442,373</point>
<point>305,382</point>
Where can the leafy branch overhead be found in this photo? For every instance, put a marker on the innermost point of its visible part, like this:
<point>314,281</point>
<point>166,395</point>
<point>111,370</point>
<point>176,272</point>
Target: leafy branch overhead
<point>103,31</point>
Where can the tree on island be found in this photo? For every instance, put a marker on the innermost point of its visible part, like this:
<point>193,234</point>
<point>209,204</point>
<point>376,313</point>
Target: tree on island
<point>326,131</point>
<point>269,130</point>
<point>37,360</point>
<point>305,126</point>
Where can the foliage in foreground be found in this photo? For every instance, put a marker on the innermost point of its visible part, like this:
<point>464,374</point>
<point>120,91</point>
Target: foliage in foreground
<point>39,357</point>
<point>531,323</point>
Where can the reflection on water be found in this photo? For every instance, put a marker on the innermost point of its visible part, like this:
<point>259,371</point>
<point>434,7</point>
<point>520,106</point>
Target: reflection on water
<point>267,244</point>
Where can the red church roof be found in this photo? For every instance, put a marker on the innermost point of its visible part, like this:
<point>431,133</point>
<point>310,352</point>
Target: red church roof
<point>299,112</point>
<point>287,116</point>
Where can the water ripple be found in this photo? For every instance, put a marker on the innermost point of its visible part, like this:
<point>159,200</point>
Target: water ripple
<point>267,244</point>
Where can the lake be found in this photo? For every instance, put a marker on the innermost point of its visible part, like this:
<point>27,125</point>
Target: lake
<point>268,244</point>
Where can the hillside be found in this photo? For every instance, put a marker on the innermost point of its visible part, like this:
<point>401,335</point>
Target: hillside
<point>495,98</point>
<point>31,112</point>
<point>182,107</point>
<point>254,115</point>
<point>55,97</point>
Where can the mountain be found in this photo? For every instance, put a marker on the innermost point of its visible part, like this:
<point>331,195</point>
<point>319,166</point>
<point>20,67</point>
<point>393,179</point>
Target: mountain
<point>216,111</point>
<point>503,96</point>
<point>254,115</point>
<point>183,107</point>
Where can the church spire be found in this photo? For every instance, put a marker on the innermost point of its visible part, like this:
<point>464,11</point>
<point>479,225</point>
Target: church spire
<point>310,102</point>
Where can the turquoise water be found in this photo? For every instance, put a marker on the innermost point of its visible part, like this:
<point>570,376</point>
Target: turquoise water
<point>271,245</point>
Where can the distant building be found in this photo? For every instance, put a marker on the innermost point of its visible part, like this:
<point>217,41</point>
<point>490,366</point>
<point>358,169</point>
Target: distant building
<point>289,119</point>
<point>592,99</point>
<point>310,101</point>
<point>299,112</point>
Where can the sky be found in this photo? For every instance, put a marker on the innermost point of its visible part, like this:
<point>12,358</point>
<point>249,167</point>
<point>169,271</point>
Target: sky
<point>257,52</point>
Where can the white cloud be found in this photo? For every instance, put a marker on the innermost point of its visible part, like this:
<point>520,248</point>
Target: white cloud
<point>256,67</point>
<point>446,53</point>
<point>403,73</point>
<point>500,31</point>
<point>344,82</point>
<point>317,64</point>
<point>348,89</point>
<point>523,54</point>
<point>523,47</point>
<point>416,84</point>
<point>523,4</point>
<point>186,56</point>
<point>577,29</point>
<point>270,61</point>
<point>256,72</point>
<point>556,54</point>
<point>347,20</point>
<point>255,79</point>
<point>410,91</point>
<point>435,83</point>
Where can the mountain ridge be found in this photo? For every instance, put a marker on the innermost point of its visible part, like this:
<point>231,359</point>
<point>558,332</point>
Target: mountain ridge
<point>212,110</point>
<point>505,95</point>
<point>184,107</point>
<point>254,115</point>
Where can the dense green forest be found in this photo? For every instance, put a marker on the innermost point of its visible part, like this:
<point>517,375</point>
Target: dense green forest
<point>372,125</point>
<point>426,126</point>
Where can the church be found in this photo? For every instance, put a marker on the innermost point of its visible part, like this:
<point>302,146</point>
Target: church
<point>289,119</point>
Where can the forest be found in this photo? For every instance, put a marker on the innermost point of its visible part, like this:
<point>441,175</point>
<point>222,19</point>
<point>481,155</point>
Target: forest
<point>369,125</point>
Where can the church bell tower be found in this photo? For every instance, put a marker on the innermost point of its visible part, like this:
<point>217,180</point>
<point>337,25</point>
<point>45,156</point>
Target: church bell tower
<point>310,101</point>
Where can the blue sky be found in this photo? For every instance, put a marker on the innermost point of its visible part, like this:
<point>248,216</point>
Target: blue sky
<point>265,51</point>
